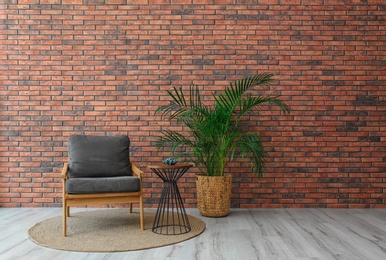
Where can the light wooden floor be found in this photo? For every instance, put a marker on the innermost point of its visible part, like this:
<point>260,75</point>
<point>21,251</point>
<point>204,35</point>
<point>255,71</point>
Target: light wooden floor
<point>244,234</point>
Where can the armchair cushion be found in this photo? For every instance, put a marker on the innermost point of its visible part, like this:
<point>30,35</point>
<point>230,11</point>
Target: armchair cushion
<point>102,185</point>
<point>98,156</point>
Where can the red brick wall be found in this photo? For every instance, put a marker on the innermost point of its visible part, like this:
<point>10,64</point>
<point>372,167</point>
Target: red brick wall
<point>102,67</point>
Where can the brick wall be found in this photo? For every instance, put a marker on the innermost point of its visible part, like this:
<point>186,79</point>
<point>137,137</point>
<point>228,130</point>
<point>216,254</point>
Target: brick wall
<point>102,67</point>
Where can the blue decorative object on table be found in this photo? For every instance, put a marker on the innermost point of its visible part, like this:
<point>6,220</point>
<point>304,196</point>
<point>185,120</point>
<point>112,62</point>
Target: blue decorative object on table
<point>169,161</point>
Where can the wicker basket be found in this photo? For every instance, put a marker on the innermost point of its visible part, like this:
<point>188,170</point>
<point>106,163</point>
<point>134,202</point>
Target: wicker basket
<point>214,195</point>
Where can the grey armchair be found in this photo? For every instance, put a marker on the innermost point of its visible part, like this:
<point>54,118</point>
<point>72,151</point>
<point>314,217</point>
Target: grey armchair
<point>99,171</point>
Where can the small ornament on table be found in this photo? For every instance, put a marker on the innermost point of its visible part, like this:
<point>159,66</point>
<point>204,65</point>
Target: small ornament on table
<point>170,161</point>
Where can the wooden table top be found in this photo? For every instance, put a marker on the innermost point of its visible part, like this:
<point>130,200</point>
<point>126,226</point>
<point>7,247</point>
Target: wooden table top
<point>165,166</point>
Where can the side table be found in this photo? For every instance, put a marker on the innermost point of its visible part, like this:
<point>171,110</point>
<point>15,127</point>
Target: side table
<point>171,217</point>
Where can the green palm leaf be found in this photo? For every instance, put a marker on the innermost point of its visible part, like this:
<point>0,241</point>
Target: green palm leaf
<point>212,136</point>
<point>233,94</point>
<point>248,104</point>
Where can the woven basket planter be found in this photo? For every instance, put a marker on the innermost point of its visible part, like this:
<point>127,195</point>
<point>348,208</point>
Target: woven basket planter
<point>214,195</point>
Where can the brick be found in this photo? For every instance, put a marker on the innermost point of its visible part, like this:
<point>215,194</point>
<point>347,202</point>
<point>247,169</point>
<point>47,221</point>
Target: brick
<point>290,2</point>
<point>116,2</point>
<point>375,2</point>
<point>140,2</point>
<point>155,2</point>
<point>181,1</point>
<point>203,2</point>
<point>222,2</point>
<point>72,2</point>
<point>31,2</point>
<point>268,2</point>
<point>50,2</point>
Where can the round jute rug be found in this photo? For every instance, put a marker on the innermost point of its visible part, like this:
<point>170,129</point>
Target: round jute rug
<point>111,230</point>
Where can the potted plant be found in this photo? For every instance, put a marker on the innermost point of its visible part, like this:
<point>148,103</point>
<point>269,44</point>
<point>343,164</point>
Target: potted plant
<point>212,135</point>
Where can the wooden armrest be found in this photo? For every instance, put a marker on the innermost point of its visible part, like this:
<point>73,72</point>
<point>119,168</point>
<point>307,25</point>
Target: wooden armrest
<point>63,175</point>
<point>136,170</point>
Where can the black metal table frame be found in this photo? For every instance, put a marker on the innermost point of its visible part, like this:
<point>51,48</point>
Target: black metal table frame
<point>171,217</point>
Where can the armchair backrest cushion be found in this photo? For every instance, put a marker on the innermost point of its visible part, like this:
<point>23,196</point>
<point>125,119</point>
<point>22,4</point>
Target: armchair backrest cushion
<point>98,156</point>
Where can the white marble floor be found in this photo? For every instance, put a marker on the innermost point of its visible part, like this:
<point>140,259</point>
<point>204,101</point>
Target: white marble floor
<point>245,234</point>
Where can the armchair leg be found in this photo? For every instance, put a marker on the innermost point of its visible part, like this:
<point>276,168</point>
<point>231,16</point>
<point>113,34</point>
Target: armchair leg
<point>65,212</point>
<point>131,208</point>
<point>141,214</point>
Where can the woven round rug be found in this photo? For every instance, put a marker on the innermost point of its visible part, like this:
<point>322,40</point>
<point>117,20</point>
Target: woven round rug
<point>111,230</point>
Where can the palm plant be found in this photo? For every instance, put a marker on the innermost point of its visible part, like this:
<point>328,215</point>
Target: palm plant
<point>213,134</point>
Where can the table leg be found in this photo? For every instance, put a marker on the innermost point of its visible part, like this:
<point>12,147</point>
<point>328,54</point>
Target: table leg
<point>171,217</point>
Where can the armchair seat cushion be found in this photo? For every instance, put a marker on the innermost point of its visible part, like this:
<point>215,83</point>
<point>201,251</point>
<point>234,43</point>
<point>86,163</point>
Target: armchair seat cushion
<point>102,185</point>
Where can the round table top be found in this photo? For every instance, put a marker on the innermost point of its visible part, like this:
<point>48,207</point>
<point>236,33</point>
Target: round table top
<point>165,166</point>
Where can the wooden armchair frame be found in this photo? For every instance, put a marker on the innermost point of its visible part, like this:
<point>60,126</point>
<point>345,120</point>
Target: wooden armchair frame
<point>100,198</point>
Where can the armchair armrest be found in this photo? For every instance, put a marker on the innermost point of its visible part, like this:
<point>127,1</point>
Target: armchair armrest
<point>63,175</point>
<point>136,170</point>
